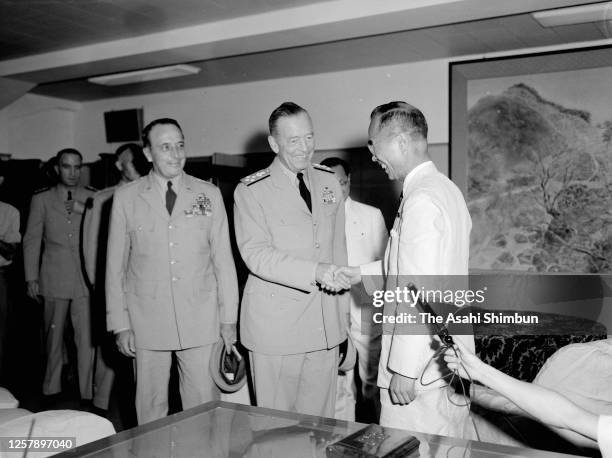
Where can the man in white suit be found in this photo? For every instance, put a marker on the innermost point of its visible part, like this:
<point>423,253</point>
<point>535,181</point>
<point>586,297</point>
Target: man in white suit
<point>430,237</point>
<point>366,239</point>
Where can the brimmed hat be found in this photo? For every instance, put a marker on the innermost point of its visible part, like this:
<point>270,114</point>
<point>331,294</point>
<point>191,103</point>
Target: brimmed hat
<point>228,370</point>
<point>348,355</point>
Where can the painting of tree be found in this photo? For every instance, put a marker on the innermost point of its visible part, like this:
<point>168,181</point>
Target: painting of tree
<point>539,171</point>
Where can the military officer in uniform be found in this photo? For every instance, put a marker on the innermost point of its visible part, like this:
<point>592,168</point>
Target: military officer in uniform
<point>289,222</point>
<point>170,277</point>
<point>54,228</point>
<point>131,164</point>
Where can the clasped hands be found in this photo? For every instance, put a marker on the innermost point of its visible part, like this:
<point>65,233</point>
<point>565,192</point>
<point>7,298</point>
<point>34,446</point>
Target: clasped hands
<point>333,278</point>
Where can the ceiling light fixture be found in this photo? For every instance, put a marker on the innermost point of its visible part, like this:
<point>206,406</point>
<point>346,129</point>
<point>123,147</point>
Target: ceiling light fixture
<point>140,76</point>
<point>596,12</point>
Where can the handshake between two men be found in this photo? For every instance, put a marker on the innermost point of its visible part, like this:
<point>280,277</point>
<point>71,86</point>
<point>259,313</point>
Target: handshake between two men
<point>332,278</point>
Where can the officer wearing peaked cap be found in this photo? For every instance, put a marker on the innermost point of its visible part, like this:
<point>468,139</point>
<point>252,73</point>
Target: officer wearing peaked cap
<point>289,222</point>
<point>54,229</point>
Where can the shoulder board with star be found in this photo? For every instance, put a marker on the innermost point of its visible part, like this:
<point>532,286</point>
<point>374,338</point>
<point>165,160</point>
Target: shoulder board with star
<point>323,168</point>
<point>255,177</point>
<point>38,191</point>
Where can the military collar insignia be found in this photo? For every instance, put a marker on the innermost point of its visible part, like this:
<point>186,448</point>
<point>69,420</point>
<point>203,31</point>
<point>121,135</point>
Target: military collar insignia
<point>201,207</point>
<point>329,197</point>
<point>38,191</point>
<point>255,177</point>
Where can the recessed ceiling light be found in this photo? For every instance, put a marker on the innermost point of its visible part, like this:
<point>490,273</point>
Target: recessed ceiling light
<point>140,76</point>
<point>596,12</point>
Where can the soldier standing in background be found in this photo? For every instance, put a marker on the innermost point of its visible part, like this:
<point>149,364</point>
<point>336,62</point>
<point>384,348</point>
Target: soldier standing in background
<point>53,236</point>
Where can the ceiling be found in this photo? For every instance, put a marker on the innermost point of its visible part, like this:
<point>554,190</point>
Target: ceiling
<point>54,46</point>
<point>35,26</point>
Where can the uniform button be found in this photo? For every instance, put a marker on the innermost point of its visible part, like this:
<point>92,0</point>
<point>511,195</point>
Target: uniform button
<point>314,224</point>
<point>317,245</point>
<point>173,262</point>
<point>170,226</point>
<point>174,278</point>
<point>69,221</point>
<point>69,235</point>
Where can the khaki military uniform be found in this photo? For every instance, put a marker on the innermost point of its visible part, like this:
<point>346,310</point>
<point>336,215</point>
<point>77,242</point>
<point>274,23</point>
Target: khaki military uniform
<point>172,280</point>
<point>290,325</point>
<point>54,232</point>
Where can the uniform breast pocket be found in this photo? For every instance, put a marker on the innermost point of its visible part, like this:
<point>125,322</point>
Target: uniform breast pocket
<point>291,232</point>
<point>197,229</point>
<point>142,237</point>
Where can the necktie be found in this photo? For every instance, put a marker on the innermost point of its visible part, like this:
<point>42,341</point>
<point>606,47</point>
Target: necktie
<point>170,198</point>
<point>69,199</point>
<point>304,192</point>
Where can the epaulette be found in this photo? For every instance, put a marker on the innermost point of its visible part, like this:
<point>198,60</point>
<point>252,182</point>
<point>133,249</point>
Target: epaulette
<point>255,177</point>
<point>324,168</point>
<point>91,188</point>
<point>38,191</point>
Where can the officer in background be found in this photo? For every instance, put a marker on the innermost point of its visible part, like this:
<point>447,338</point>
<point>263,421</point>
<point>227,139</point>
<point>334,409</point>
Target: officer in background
<point>366,240</point>
<point>289,222</point>
<point>53,229</point>
<point>131,164</point>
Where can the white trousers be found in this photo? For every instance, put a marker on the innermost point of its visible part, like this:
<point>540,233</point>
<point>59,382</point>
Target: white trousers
<point>435,411</point>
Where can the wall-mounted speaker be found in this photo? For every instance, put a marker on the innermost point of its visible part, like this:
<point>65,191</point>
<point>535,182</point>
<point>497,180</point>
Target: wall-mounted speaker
<point>123,125</point>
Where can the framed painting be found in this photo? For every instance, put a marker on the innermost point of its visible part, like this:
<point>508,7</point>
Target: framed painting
<point>531,148</point>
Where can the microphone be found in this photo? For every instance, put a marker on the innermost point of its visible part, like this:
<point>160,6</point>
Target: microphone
<point>424,306</point>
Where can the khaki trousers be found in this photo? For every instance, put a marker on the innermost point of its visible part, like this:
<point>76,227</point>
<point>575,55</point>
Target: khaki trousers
<point>303,383</point>
<point>153,374</point>
<point>56,311</point>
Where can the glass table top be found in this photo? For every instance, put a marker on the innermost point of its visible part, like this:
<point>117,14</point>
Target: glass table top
<point>225,430</point>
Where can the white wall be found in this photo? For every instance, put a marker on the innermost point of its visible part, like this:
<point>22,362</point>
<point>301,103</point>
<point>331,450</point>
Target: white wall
<point>37,127</point>
<point>226,118</point>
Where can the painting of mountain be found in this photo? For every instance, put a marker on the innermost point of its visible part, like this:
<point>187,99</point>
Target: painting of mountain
<point>539,183</point>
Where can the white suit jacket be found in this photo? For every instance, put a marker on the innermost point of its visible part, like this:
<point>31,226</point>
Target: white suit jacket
<point>430,236</point>
<point>366,239</point>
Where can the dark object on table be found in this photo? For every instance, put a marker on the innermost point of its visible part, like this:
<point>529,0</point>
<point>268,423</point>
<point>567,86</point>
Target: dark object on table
<point>375,441</point>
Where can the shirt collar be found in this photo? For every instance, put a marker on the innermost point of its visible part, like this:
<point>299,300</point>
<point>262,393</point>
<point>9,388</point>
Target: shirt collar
<point>163,182</point>
<point>413,173</point>
<point>292,176</point>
